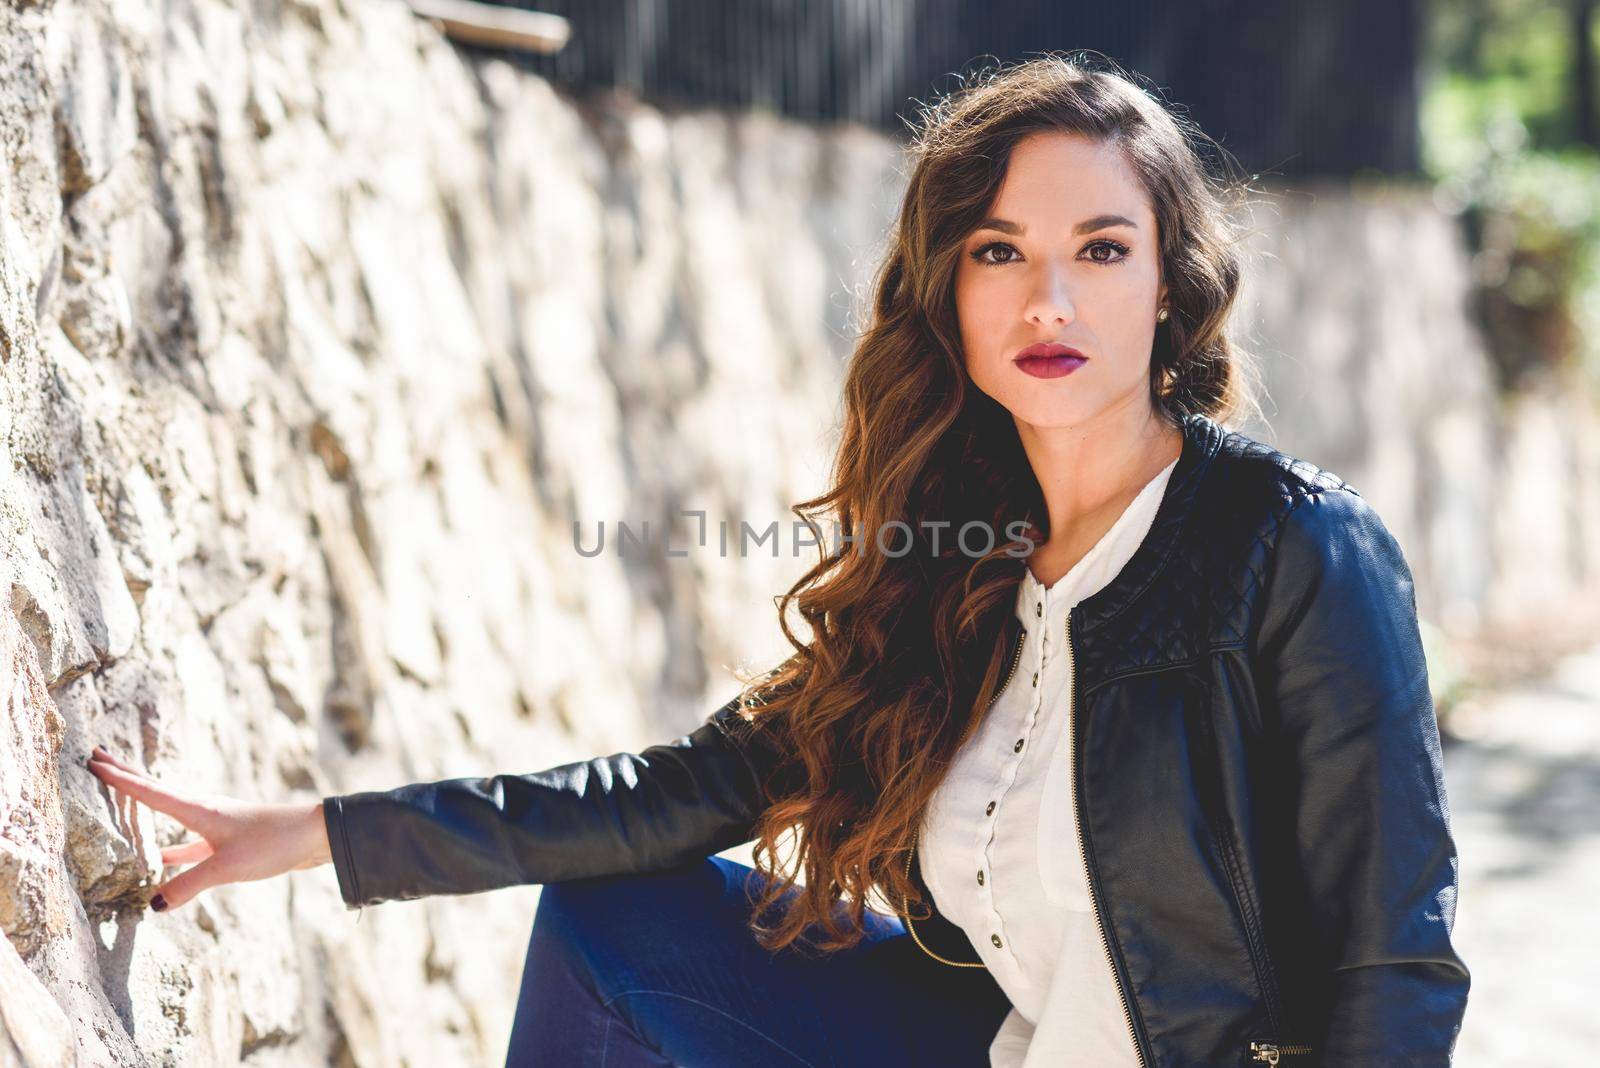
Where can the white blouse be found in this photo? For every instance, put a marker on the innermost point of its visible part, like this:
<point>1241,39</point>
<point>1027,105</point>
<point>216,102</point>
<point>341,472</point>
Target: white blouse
<point>999,848</point>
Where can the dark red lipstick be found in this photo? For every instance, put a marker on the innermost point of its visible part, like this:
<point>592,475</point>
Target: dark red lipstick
<point>1047,359</point>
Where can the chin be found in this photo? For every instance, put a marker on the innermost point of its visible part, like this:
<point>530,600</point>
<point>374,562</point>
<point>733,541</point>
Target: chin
<point>1041,402</point>
<point>1046,412</point>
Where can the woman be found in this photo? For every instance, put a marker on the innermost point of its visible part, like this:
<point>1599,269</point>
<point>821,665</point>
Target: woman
<point>1125,714</point>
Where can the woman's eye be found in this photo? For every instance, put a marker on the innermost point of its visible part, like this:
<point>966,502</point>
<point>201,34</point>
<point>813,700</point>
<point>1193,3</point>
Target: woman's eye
<point>1111,246</point>
<point>978,254</point>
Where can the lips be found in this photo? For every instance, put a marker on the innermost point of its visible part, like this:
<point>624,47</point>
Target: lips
<point>1049,360</point>
<point>1048,349</point>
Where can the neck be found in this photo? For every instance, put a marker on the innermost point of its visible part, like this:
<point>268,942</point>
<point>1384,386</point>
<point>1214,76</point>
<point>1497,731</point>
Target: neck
<point>1090,472</point>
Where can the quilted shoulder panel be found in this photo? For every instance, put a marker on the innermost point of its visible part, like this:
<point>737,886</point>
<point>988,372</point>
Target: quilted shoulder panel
<point>1242,457</point>
<point>1204,595</point>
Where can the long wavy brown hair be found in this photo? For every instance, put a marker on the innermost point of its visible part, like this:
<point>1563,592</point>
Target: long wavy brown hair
<point>904,652</point>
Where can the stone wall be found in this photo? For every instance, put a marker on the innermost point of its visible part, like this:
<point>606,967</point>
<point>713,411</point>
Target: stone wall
<point>1356,308</point>
<point>316,341</point>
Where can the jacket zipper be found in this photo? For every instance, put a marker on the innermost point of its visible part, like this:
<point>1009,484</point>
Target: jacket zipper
<point>1015,660</point>
<point>1083,854</point>
<point>904,915</point>
<point>1271,1051</point>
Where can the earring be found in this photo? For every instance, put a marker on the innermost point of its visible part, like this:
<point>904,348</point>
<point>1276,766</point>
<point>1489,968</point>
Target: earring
<point>1161,316</point>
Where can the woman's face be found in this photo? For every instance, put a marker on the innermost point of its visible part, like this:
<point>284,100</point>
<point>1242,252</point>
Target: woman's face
<point>1070,254</point>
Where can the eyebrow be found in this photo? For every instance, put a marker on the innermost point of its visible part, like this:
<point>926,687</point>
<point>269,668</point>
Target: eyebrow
<point>1089,225</point>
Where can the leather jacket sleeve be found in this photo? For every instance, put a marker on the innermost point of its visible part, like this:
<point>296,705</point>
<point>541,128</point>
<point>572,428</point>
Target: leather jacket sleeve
<point>629,812</point>
<point>1346,689</point>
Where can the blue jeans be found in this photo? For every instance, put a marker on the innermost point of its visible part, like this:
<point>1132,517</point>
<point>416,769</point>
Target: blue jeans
<point>660,969</point>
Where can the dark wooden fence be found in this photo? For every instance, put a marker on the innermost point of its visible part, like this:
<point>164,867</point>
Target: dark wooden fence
<point>1288,88</point>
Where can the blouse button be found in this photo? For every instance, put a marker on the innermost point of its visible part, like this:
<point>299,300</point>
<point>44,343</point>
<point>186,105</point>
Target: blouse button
<point>1036,678</point>
<point>1018,747</point>
<point>1038,608</point>
<point>989,809</point>
<point>996,940</point>
<point>980,876</point>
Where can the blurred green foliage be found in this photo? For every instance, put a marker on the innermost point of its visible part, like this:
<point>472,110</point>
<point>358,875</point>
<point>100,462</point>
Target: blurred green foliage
<point>1503,140</point>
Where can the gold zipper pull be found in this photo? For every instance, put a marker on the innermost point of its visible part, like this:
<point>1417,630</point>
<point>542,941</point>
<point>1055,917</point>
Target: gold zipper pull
<point>1271,1051</point>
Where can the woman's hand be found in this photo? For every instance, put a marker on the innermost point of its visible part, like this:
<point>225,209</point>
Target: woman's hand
<point>238,841</point>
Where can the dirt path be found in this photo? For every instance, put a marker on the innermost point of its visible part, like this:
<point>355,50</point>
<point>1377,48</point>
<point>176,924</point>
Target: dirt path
<point>1523,774</point>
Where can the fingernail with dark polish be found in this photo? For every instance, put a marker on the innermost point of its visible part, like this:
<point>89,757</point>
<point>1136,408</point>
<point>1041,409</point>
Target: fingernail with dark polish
<point>158,903</point>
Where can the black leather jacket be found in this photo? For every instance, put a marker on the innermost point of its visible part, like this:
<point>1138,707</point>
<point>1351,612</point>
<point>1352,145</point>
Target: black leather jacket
<point>1260,795</point>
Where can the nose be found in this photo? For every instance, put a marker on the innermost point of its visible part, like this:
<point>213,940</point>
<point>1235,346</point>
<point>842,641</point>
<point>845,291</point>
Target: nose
<point>1050,303</point>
